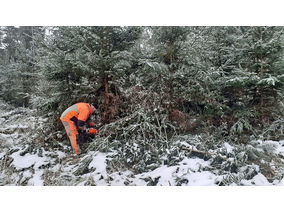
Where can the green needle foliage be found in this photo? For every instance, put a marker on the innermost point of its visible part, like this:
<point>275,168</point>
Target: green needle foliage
<point>152,83</point>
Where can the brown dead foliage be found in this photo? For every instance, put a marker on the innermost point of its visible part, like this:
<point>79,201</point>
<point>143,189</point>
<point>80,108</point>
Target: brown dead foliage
<point>112,109</point>
<point>180,118</point>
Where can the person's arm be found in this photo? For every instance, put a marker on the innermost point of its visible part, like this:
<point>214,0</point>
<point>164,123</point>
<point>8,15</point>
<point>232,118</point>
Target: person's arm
<point>82,118</point>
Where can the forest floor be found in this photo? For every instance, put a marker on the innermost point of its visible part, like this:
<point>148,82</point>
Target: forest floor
<point>27,160</point>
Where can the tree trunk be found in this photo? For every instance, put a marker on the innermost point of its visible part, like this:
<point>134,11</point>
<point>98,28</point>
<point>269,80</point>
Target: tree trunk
<point>106,106</point>
<point>261,90</point>
<point>106,84</point>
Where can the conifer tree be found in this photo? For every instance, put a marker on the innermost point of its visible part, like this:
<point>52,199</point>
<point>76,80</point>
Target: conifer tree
<point>248,60</point>
<point>162,69</point>
<point>180,71</point>
<point>255,81</point>
<point>264,53</point>
<point>84,61</point>
<point>18,63</point>
<point>220,57</point>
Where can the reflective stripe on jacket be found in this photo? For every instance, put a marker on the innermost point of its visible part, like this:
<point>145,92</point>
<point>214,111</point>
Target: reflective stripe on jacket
<point>80,111</point>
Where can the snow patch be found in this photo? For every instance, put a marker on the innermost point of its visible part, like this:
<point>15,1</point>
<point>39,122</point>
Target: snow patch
<point>28,160</point>
<point>166,176</point>
<point>36,180</point>
<point>260,180</point>
<point>99,162</point>
<point>27,174</point>
<point>2,155</point>
<point>194,164</point>
<point>60,154</point>
<point>228,147</point>
<point>204,178</point>
<point>257,180</point>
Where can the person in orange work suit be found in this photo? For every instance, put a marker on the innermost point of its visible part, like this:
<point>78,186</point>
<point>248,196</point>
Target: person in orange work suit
<point>75,119</point>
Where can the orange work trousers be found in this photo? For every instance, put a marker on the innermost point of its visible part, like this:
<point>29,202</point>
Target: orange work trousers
<point>72,133</point>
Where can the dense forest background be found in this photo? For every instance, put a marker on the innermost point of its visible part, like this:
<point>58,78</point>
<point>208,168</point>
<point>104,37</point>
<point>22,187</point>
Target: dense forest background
<point>204,104</point>
<point>153,82</point>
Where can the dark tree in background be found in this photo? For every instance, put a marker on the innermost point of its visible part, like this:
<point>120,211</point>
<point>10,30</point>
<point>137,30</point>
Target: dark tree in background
<point>18,63</point>
<point>223,81</point>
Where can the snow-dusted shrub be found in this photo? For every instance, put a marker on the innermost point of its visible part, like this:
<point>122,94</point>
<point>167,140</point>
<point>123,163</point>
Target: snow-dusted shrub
<point>138,139</point>
<point>142,124</point>
<point>275,131</point>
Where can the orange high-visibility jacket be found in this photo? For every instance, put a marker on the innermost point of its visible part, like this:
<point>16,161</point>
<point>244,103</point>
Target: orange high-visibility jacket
<point>79,111</point>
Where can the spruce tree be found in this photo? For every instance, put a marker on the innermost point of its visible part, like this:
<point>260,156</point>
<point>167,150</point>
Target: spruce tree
<point>86,62</point>
<point>249,63</point>
<point>18,62</point>
<point>264,59</point>
<point>161,70</point>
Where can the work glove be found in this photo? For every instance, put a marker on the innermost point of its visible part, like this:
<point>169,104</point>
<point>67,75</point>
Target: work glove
<point>93,131</point>
<point>92,124</point>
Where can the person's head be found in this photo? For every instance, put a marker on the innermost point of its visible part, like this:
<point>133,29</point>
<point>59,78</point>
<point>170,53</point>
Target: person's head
<point>94,107</point>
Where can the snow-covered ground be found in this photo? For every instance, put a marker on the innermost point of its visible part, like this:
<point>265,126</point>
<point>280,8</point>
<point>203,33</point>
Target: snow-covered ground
<point>25,161</point>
